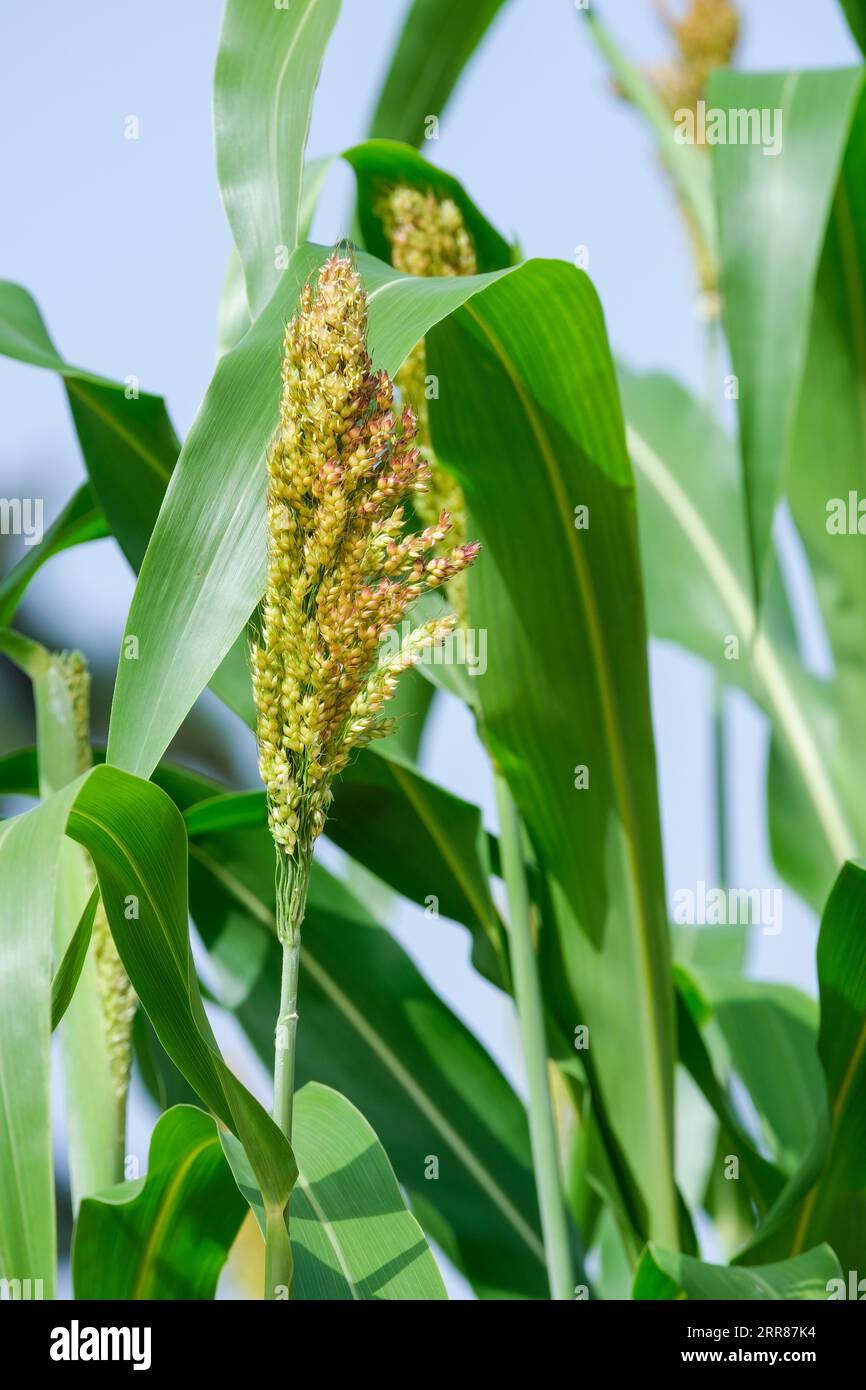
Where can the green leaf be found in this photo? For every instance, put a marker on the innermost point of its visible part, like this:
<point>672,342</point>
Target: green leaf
<point>372,1028</point>
<point>166,1235</point>
<point>136,837</point>
<point>826,1198</point>
<point>662,1275</point>
<point>204,570</point>
<point>530,421</point>
<point>266,74</point>
<point>127,439</point>
<point>80,521</point>
<point>770,238</point>
<point>352,1237</point>
<point>437,41</point>
<point>855,13</point>
<point>380,164</point>
<point>68,972</point>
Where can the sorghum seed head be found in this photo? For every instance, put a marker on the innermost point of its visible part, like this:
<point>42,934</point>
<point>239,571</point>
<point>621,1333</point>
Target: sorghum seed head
<point>340,574</point>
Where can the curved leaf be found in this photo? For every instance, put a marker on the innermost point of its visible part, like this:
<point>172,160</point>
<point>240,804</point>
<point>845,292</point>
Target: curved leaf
<point>124,434</point>
<point>137,840</point>
<point>352,1237</point>
<point>379,164</point>
<point>166,1235</point>
<point>80,521</point>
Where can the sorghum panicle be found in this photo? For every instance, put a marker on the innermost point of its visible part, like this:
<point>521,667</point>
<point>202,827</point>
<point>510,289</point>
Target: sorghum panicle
<point>341,572</point>
<point>427,236</point>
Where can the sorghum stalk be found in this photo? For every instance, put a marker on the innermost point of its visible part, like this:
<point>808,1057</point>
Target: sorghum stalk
<point>428,237</point>
<point>341,574</point>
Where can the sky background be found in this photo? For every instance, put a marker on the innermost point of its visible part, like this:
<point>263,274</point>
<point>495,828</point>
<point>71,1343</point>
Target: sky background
<point>124,245</point>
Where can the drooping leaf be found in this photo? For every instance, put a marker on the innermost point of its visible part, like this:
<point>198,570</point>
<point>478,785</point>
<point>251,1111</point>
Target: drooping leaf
<point>662,1275</point>
<point>137,840</point>
<point>126,437</point>
<point>266,74</point>
<point>165,1235</point>
<point>437,41</point>
<point>352,1236</point>
<point>80,521</point>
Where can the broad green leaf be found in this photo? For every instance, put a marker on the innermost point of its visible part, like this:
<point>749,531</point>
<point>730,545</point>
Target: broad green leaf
<point>372,1028</point>
<point>663,1275</point>
<point>773,213</point>
<point>826,1198</point>
<point>137,840</point>
<point>352,1237</point>
<point>80,521</point>
<point>68,972</point>
<point>437,41</point>
<point>204,570</point>
<point>855,12</point>
<point>166,1235</point>
<point>266,74</point>
<point>381,164</point>
<point>126,437</point>
<point>530,421</point>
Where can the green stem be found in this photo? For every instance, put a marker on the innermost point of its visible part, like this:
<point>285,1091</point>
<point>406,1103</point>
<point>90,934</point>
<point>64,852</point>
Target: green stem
<point>530,1011</point>
<point>286,1033</point>
<point>292,879</point>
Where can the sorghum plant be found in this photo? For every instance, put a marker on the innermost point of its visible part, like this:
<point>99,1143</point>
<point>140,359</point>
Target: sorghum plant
<point>158,914</point>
